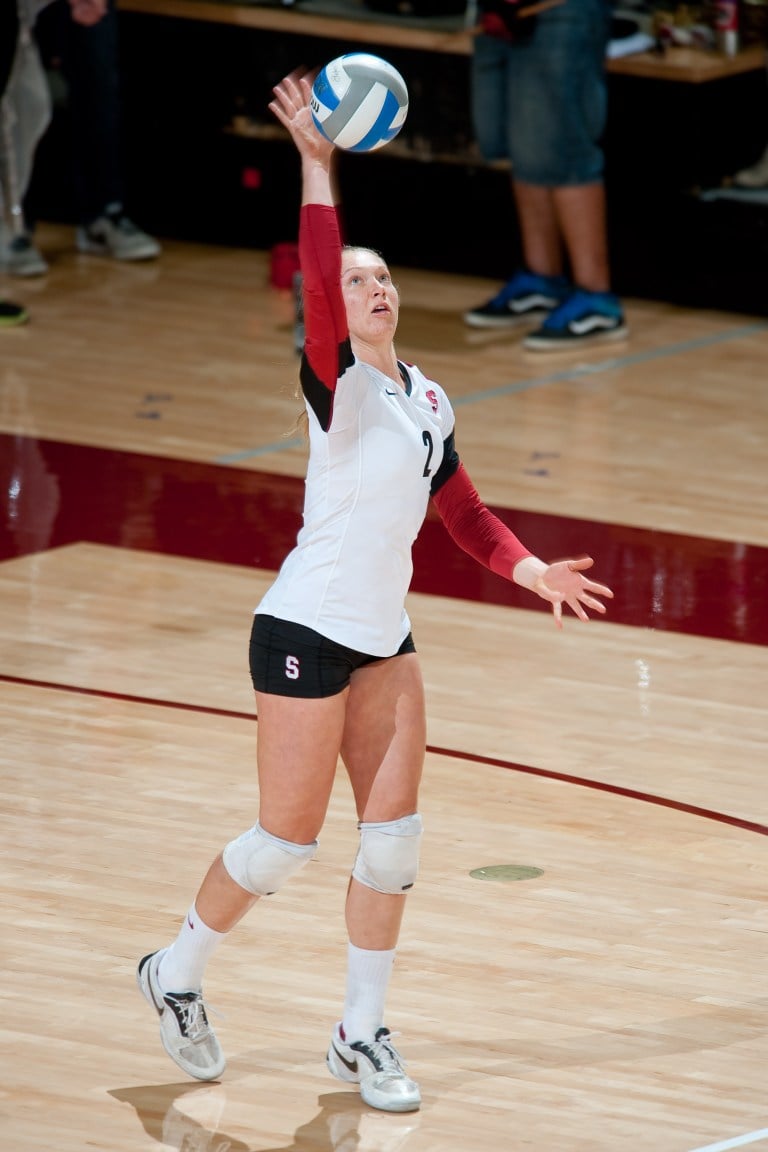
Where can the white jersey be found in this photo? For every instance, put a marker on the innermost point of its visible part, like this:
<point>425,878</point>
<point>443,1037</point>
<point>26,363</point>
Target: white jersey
<point>367,490</point>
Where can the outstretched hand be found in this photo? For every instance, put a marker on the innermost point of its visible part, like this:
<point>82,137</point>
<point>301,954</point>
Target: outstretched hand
<point>291,106</point>
<point>563,583</point>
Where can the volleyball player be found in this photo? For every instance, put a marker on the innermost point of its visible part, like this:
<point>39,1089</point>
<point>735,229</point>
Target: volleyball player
<point>333,661</point>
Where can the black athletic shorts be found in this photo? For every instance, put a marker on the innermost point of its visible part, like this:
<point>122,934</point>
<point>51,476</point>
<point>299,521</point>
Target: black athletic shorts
<point>290,660</point>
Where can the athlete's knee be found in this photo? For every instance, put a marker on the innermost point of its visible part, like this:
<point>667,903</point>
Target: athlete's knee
<point>261,863</point>
<point>388,856</point>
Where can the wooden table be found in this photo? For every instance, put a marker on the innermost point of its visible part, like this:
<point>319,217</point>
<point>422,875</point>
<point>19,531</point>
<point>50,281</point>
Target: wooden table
<point>349,20</point>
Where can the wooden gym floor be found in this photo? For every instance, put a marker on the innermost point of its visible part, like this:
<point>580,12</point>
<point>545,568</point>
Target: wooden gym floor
<point>583,960</point>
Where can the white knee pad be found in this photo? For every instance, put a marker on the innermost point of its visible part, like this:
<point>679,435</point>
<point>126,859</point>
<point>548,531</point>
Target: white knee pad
<point>261,862</point>
<point>388,856</point>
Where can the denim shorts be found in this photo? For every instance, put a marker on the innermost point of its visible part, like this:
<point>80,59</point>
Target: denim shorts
<point>540,101</point>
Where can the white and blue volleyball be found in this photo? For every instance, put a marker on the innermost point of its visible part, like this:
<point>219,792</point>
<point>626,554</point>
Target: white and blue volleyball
<point>359,102</point>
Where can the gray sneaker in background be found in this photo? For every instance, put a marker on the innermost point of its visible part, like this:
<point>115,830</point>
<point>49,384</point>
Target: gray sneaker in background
<point>115,235</point>
<point>19,256</point>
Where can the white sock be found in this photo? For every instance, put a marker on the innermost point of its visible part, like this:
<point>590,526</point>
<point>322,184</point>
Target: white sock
<point>368,974</point>
<point>181,968</point>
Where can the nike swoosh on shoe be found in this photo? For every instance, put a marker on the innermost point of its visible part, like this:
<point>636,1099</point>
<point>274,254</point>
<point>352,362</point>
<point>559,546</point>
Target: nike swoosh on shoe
<point>351,1064</point>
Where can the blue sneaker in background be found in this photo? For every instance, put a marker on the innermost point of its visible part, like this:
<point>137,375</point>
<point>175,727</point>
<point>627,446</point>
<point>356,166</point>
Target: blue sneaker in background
<point>583,318</point>
<point>525,295</point>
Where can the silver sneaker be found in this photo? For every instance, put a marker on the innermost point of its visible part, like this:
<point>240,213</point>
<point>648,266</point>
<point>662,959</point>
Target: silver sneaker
<point>20,257</point>
<point>378,1068</point>
<point>185,1032</point>
<point>116,236</point>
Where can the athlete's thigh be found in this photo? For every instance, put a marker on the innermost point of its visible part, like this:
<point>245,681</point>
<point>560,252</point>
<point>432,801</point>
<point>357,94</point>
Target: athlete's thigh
<point>385,737</point>
<point>298,753</point>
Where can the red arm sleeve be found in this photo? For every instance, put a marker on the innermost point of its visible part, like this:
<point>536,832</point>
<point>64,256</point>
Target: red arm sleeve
<point>475,528</point>
<point>325,318</point>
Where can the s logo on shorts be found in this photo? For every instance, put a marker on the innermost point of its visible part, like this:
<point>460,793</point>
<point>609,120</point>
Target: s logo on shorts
<point>292,667</point>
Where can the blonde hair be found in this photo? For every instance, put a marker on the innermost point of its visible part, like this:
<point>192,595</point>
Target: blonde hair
<point>301,423</point>
<point>362,248</point>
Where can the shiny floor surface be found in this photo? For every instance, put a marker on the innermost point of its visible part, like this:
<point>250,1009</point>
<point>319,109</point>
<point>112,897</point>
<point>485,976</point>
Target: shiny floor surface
<point>582,964</point>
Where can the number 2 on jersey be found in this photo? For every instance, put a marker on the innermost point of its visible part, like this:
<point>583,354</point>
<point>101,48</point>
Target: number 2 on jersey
<point>430,447</point>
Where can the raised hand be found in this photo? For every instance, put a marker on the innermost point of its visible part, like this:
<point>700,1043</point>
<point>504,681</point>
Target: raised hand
<point>291,106</point>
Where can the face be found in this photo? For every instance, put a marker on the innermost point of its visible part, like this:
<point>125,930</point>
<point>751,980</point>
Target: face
<point>370,297</point>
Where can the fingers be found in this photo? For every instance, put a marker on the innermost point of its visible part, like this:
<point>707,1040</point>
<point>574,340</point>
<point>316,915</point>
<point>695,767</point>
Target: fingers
<point>290,96</point>
<point>589,586</point>
<point>580,564</point>
<point>577,609</point>
<point>598,589</point>
<point>590,601</point>
<point>292,107</point>
<point>277,110</point>
<point>295,88</point>
<point>563,583</point>
<point>578,603</point>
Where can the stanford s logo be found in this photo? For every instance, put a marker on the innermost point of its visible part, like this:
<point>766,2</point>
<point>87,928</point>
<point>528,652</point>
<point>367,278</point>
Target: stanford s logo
<point>432,397</point>
<point>292,667</point>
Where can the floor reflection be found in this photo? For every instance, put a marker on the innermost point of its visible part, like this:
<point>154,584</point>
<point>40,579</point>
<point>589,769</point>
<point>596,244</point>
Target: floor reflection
<point>189,1117</point>
<point>56,493</point>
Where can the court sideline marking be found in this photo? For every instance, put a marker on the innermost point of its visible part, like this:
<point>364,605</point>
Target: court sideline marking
<point>736,1142</point>
<point>453,753</point>
<point>581,370</point>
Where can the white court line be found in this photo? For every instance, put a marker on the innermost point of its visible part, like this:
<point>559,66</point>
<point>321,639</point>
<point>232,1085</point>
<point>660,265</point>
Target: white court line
<point>736,1142</point>
<point>566,374</point>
